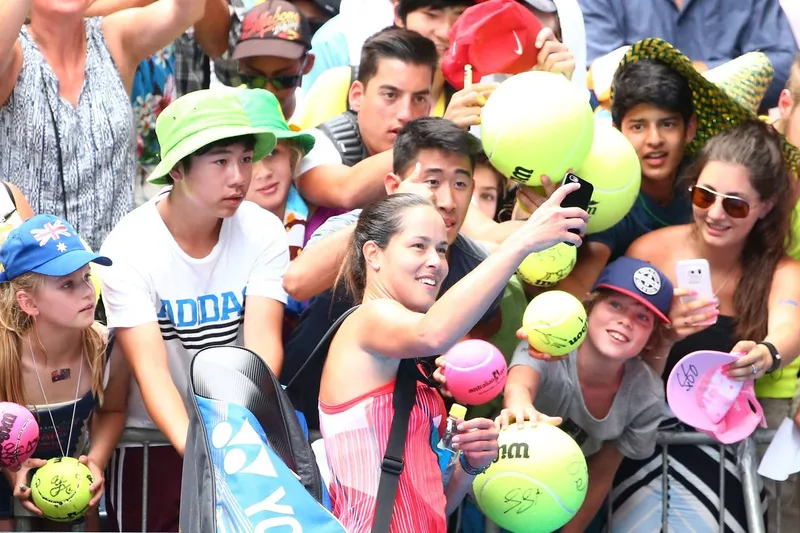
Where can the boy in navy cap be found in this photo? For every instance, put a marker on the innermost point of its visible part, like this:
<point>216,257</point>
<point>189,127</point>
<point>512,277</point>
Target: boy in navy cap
<point>610,400</point>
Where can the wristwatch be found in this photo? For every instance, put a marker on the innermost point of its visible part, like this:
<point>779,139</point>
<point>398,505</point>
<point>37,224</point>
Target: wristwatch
<point>468,468</point>
<point>776,357</point>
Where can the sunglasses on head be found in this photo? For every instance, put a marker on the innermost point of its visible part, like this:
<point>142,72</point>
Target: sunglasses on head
<point>733,205</point>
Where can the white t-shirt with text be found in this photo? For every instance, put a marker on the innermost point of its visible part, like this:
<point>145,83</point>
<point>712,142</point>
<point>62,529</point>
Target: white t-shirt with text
<point>197,303</point>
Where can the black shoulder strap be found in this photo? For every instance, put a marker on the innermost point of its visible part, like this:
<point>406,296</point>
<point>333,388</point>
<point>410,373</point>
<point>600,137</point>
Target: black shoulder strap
<point>344,132</point>
<point>323,345</point>
<point>405,396</point>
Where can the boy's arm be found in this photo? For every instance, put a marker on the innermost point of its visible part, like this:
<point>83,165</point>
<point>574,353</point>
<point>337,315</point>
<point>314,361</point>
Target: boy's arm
<point>602,467</point>
<point>131,302</point>
<point>338,186</point>
<point>263,330</point>
<point>524,378</point>
<point>264,295</point>
<point>146,354</point>
<point>315,269</point>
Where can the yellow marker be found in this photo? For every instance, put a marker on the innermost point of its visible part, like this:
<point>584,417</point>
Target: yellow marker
<point>467,76</point>
<point>458,411</point>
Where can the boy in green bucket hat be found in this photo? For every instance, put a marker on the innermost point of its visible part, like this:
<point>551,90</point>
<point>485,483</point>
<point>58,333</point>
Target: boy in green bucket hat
<point>185,265</point>
<point>272,186</point>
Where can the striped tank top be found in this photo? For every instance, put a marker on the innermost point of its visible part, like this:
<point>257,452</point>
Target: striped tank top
<point>355,435</point>
<point>61,156</point>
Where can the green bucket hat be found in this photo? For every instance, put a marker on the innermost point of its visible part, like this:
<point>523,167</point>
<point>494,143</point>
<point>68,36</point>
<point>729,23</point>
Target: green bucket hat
<point>202,117</point>
<point>264,111</point>
<point>724,97</point>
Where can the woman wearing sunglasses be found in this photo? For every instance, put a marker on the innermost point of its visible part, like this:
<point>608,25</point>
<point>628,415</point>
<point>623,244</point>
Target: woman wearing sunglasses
<point>741,203</point>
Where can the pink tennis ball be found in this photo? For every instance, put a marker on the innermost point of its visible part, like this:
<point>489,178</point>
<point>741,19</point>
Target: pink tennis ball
<point>19,435</point>
<point>475,372</point>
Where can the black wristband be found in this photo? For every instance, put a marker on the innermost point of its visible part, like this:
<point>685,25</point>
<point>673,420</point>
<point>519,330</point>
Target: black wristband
<point>468,468</point>
<point>776,357</point>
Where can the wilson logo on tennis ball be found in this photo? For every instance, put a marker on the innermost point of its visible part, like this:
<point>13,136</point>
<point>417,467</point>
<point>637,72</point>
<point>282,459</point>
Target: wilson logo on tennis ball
<point>515,450</point>
<point>6,425</point>
<point>522,174</point>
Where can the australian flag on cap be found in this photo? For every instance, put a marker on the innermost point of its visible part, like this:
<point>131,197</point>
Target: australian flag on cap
<point>46,245</point>
<point>641,281</point>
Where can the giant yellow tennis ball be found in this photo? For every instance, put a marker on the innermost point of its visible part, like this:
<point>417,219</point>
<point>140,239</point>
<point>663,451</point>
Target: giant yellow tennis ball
<point>613,167</point>
<point>537,123</point>
<point>555,322</point>
<point>61,489</point>
<point>537,483</point>
<point>548,267</point>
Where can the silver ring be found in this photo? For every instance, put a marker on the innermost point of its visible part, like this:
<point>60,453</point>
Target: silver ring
<point>755,369</point>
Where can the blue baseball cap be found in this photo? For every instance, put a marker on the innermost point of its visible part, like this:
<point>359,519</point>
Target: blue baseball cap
<point>641,281</point>
<point>47,245</point>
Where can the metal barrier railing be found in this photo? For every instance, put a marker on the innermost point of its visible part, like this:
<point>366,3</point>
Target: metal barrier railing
<point>747,465</point>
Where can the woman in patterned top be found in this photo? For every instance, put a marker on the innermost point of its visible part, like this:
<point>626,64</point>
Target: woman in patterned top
<point>68,139</point>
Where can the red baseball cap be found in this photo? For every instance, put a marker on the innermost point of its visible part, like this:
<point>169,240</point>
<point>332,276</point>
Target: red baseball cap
<point>495,37</point>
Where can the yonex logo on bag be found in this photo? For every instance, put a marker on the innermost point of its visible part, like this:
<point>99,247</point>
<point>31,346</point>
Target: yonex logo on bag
<point>235,463</point>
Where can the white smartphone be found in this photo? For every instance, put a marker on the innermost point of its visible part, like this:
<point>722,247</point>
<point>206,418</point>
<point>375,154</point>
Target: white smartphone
<point>695,274</point>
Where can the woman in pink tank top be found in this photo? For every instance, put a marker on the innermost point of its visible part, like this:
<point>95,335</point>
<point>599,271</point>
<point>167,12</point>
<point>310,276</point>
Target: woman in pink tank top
<point>395,266</point>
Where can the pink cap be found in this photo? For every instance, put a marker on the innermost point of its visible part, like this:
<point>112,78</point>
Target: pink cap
<point>702,396</point>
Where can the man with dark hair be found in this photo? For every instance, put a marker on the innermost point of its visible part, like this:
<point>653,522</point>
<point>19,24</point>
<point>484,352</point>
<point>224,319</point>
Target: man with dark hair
<point>354,149</point>
<point>432,157</point>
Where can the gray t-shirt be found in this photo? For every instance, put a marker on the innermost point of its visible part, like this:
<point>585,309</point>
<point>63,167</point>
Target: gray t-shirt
<point>636,411</point>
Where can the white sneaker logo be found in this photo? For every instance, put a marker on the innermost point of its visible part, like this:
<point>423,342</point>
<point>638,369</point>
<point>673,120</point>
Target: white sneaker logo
<point>518,51</point>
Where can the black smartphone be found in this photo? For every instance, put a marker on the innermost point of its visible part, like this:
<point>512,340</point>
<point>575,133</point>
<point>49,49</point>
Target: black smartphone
<point>579,198</point>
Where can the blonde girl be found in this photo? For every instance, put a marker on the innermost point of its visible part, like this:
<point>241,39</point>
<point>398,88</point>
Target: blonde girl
<point>55,359</point>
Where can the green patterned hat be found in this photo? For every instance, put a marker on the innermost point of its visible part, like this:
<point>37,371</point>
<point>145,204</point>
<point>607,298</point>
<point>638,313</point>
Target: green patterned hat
<point>724,97</point>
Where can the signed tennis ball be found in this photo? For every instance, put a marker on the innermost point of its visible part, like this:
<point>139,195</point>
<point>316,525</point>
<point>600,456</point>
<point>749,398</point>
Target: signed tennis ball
<point>61,489</point>
<point>555,322</point>
<point>548,267</point>
<point>19,435</point>
<point>538,481</point>
<point>613,168</point>
<point>536,123</point>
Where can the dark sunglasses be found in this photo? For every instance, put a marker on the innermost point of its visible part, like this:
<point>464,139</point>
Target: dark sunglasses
<point>279,83</point>
<point>733,205</point>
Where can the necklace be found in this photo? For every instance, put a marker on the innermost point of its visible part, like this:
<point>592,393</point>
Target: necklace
<point>727,278</point>
<point>49,411</point>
